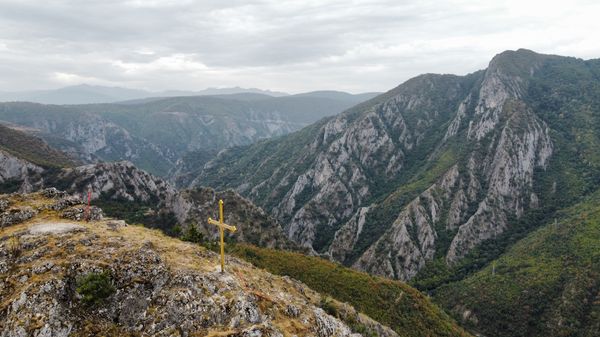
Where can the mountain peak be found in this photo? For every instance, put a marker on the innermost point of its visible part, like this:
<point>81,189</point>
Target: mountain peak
<point>520,62</point>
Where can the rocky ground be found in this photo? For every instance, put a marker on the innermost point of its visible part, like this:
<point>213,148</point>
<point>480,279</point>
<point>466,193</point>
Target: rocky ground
<point>60,276</point>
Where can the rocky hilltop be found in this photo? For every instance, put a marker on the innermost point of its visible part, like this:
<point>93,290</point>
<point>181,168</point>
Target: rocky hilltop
<point>62,277</point>
<point>432,169</point>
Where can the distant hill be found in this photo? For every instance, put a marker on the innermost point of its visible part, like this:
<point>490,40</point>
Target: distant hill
<point>227,91</point>
<point>77,94</point>
<point>91,94</point>
<point>340,95</point>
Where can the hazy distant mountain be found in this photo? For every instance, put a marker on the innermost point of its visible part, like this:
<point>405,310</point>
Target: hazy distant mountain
<point>88,94</point>
<point>77,94</point>
<point>155,133</point>
<point>340,95</point>
<point>228,91</point>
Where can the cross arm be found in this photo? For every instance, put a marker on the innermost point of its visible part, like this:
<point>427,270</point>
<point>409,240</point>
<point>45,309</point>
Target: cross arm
<point>224,225</point>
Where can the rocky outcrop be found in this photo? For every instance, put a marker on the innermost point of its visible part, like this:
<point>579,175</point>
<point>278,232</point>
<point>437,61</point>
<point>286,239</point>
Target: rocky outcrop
<point>16,215</point>
<point>120,180</point>
<point>24,174</point>
<point>146,284</point>
<point>254,225</point>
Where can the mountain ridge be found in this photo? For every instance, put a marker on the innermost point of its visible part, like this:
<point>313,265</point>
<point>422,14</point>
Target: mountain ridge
<point>434,167</point>
<point>95,94</point>
<point>98,94</point>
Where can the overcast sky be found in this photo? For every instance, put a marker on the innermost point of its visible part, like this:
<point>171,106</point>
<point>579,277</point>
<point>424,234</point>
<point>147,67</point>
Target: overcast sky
<point>291,46</point>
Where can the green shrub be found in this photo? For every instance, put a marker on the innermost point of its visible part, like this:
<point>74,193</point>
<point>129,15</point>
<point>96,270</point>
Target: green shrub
<point>192,234</point>
<point>327,305</point>
<point>95,287</point>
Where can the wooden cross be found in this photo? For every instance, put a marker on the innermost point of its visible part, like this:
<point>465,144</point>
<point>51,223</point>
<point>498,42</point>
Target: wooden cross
<point>222,226</point>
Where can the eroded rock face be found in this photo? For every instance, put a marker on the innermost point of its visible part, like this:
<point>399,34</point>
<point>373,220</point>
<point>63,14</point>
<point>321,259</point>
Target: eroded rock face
<point>25,174</point>
<point>515,148</point>
<point>523,146</point>
<point>120,180</point>
<point>346,237</point>
<point>160,286</point>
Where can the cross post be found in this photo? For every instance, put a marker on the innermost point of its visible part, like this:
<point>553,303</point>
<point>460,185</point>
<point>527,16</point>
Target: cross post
<point>222,226</point>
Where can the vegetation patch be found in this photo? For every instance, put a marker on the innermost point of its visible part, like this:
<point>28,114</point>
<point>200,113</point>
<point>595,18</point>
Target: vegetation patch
<point>393,303</point>
<point>31,149</point>
<point>95,288</point>
<point>547,284</point>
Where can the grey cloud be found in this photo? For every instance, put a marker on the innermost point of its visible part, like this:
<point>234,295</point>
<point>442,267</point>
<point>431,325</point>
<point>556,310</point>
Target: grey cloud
<point>279,45</point>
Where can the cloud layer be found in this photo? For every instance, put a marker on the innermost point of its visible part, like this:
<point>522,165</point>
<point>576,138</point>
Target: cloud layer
<point>290,46</point>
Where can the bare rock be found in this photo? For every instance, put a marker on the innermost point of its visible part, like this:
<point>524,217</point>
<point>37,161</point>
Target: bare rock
<point>16,215</point>
<point>4,203</point>
<point>53,193</point>
<point>79,213</point>
<point>65,202</point>
<point>116,224</point>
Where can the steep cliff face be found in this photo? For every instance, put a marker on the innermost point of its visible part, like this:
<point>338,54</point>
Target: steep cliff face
<point>60,277</point>
<point>431,169</point>
<point>17,174</point>
<point>510,142</point>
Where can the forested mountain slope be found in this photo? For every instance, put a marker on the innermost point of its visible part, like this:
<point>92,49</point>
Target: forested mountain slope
<point>548,284</point>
